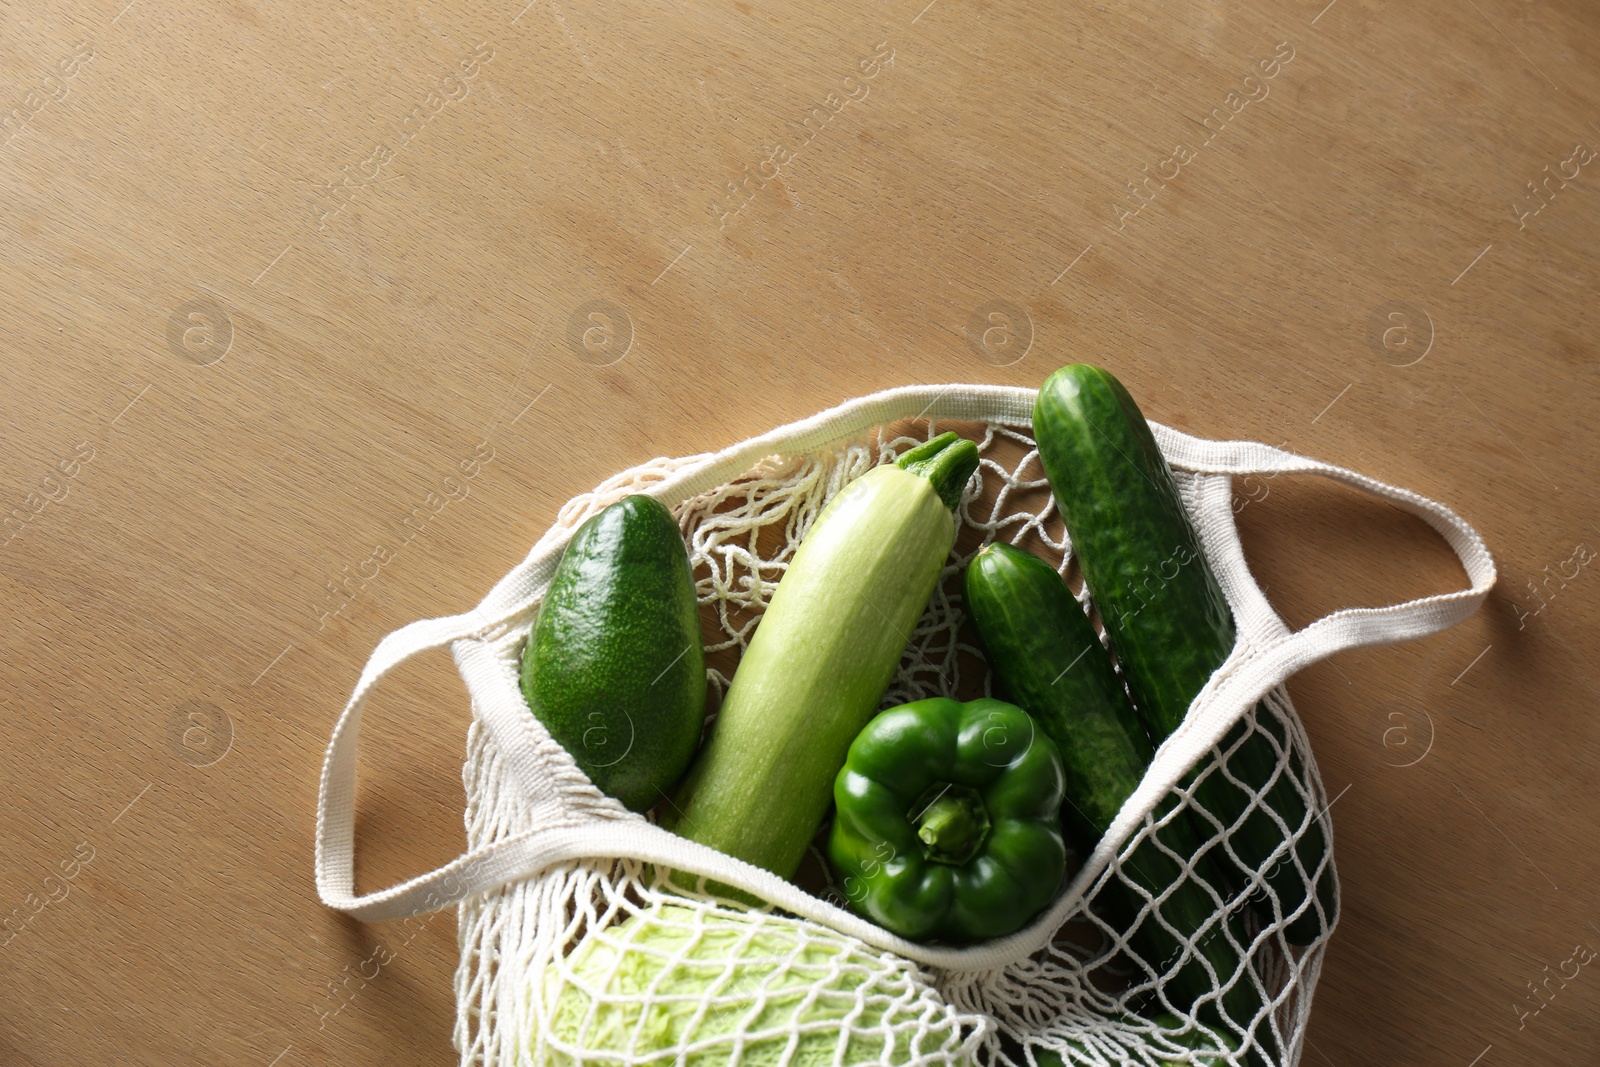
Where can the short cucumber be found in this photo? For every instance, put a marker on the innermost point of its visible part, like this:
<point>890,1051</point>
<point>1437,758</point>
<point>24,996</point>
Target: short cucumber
<point>1165,614</point>
<point>1042,647</point>
<point>615,666</point>
<point>821,658</point>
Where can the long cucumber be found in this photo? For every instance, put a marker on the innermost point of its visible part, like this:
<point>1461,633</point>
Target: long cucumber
<point>822,657</point>
<point>1169,623</point>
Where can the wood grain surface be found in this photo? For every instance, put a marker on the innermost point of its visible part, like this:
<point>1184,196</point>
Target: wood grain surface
<point>287,283</point>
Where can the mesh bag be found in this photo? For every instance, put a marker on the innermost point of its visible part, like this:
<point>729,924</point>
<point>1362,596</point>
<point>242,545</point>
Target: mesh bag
<point>571,953</point>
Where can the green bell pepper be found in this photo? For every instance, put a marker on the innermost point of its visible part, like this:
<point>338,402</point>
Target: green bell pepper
<point>947,820</point>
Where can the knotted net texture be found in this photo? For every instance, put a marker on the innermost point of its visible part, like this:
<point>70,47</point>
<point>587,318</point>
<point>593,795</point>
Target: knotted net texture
<point>586,961</point>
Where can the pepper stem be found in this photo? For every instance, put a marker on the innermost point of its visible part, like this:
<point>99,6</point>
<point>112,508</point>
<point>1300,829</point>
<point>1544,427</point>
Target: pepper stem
<point>947,461</point>
<point>953,825</point>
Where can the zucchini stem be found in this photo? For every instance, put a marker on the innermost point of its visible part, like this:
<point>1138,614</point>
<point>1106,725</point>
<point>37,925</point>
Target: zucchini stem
<point>947,461</point>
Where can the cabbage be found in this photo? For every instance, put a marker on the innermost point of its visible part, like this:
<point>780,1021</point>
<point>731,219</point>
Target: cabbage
<point>721,990</point>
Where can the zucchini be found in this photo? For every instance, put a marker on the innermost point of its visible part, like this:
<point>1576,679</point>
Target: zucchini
<point>615,666</point>
<point>821,658</point>
<point>1170,631</point>
<point>1042,647</point>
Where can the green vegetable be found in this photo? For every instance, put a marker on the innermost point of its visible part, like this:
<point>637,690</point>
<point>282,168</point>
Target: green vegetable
<point>1042,647</point>
<point>615,667</point>
<point>1165,613</point>
<point>639,990</point>
<point>822,657</point>
<point>948,820</point>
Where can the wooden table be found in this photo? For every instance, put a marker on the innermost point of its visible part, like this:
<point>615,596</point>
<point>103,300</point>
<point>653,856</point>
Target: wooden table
<point>279,276</point>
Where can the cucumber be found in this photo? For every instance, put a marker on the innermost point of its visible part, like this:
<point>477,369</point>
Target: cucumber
<point>615,667</point>
<point>1170,631</point>
<point>821,658</point>
<point>1042,647</point>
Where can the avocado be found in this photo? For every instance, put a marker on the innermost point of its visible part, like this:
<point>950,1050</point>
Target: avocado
<point>615,666</point>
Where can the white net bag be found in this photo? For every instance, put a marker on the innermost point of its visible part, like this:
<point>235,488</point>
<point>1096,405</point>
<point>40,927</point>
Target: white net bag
<point>571,953</point>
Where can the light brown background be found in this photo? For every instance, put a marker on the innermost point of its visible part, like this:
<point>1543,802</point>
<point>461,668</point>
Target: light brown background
<point>251,449</point>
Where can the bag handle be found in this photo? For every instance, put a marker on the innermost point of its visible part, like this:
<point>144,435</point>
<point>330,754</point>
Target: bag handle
<point>1269,652</point>
<point>1348,627</point>
<point>336,794</point>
